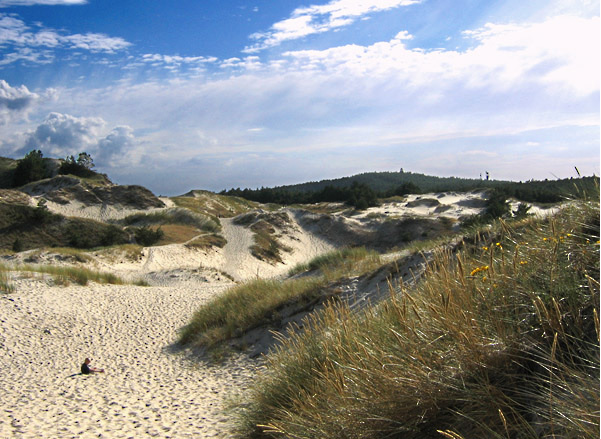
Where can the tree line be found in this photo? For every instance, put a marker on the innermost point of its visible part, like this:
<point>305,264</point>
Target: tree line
<point>365,190</point>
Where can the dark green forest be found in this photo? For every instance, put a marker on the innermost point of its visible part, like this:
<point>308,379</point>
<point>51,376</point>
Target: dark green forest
<point>364,190</point>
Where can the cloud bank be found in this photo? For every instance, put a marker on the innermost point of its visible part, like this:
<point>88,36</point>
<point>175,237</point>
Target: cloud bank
<point>62,135</point>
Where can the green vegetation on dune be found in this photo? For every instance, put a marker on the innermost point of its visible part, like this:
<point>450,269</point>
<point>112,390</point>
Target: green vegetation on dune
<point>500,340</point>
<point>61,274</point>
<point>36,227</point>
<point>214,205</point>
<point>337,263</point>
<point>174,225</point>
<point>245,307</point>
<point>257,302</point>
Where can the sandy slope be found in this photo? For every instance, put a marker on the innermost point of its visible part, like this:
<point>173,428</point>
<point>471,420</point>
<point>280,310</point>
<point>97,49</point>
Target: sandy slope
<point>149,390</point>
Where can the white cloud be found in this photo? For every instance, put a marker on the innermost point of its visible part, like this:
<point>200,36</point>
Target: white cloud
<point>94,42</point>
<point>14,101</point>
<point>7,3</point>
<point>118,142</point>
<point>33,44</point>
<point>562,51</point>
<point>60,135</point>
<point>317,19</point>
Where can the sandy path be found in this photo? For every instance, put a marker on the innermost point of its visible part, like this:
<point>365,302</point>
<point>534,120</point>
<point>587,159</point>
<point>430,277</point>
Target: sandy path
<point>148,390</point>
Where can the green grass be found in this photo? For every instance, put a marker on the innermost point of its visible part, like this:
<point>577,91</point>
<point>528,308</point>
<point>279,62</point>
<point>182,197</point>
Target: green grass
<point>256,303</point>
<point>245,307</point>
<point>66,275</point>
<point>174,216</point>
<point>335,264</point>
<point>500,340</point>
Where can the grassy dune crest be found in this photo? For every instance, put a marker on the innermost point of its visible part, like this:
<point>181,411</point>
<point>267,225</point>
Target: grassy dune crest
<point>256,303</point>
<point>244,307</point>
<point>498,341</point>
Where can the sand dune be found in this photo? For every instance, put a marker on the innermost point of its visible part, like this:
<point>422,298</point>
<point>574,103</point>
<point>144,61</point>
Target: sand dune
<point>150,389</point>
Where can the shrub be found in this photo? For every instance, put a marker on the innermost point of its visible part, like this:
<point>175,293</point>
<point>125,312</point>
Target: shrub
<point>82,167</point>
<point>17,245</point>
<point>147,236</point>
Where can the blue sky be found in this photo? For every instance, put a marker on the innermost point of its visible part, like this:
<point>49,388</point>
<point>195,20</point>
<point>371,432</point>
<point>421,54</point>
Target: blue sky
<point>212,95</point>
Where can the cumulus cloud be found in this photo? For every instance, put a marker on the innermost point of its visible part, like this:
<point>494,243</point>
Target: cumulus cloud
<point>60,135</point>
<point>14,100</point>
<point>317,19</point>
<point>117,143</point>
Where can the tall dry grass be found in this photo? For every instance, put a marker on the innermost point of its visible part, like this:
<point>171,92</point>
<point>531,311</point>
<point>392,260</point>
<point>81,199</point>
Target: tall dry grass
<point>498,341</point>
<point>5,285</point>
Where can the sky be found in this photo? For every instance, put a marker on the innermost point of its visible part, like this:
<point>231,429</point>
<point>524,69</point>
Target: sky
<point>190,94</point>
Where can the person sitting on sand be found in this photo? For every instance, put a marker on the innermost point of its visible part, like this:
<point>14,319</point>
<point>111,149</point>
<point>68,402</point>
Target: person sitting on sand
<point>86,369</point>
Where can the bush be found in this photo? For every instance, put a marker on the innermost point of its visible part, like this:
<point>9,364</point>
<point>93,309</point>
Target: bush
<point>147,236</point>
<point>82,167</point>
<point>17,245</point>
<point>88,234</point>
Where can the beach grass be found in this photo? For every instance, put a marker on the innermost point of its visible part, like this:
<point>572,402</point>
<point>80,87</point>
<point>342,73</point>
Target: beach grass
<point>244,307</point>
<point>65,275</point>
<point>338,263</point>
<point>499,340</point>
<point>5,285</point>
<point>207,241</point>
<point>256,303</point>
<point>174,216</point>
<point>214,205</point>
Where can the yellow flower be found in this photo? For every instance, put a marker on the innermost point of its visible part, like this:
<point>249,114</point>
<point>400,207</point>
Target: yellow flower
<point>523,262</point>
<point>478,270</point>
<point>485,248</point>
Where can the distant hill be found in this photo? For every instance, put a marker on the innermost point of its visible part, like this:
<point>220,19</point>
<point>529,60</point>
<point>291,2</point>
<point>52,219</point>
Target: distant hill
<point>387,181</point>
<point>387,184</point>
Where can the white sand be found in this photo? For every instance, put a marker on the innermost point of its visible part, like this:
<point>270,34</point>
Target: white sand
<point>148,390</point>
